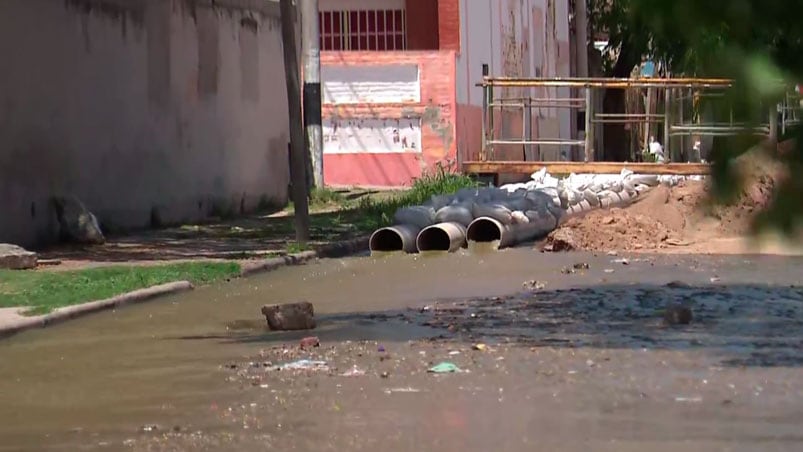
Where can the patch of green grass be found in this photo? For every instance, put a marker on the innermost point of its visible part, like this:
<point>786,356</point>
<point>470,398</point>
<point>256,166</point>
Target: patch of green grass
<point>295,248</point>
<point>374,214</point>
<point>44,291</point>
<point>323,197</point>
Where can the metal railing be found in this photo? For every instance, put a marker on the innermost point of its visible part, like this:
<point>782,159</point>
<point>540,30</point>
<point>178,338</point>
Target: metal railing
<point>675,95</point>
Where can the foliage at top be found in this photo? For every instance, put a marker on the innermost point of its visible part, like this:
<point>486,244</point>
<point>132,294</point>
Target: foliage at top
<point>756,43</point>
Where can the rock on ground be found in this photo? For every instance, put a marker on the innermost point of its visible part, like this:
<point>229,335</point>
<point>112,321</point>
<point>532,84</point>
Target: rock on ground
<point>16,258</point>
<point>78,224</point>
<point>561,240</point>
<point>290,317</point>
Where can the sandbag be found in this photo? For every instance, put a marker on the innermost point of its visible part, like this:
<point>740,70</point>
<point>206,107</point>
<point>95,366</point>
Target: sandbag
<point>496,211</point>
<point>459,214</point>
<point>418,216</point>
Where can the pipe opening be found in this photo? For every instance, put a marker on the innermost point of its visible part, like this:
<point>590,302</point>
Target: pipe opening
<point>483,230</point>
<point>386,240</point>
<point>434,239</point>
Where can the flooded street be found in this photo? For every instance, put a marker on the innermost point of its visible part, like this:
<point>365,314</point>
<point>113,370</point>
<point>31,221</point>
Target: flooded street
<point>552,357</point>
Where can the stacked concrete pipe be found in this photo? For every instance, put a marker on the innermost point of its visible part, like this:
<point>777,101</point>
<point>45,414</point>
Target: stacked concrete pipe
<point>508,215</point>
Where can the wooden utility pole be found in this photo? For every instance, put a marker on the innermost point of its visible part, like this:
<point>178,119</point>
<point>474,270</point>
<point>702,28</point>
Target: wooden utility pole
<point>298,175</point>
<point>310,40</point>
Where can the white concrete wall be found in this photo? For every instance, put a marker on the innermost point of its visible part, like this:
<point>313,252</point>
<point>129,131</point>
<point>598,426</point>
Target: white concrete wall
<point>366,84</point>
<point>520,38</point>
<point>139,106</point>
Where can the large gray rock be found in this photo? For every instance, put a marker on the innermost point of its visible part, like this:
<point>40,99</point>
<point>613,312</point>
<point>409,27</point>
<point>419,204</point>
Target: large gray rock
<point>14,257</point>
<point>77,223</point>
<point>290,317</point>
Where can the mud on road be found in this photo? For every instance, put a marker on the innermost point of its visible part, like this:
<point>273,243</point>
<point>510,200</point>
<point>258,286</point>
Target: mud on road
<point>553,354</point>
<point>585,368</point>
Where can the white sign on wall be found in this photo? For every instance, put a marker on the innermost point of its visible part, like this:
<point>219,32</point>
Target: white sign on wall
<point>366,84</point>
<point>356,136</point>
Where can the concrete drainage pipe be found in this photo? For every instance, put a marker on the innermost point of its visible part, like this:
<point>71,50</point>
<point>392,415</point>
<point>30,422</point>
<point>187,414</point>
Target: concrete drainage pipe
<point>401,237</point>
<point>490,230</point>
<point>448,237</point>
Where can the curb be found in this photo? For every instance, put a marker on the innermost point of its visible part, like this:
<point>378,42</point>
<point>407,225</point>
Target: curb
<point>72,312</point>
<point>333,250</point>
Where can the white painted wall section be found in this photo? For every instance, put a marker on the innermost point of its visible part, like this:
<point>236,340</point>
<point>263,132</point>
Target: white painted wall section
<point>370,84</point>
<point>358,136</point>
<point>476,37</point>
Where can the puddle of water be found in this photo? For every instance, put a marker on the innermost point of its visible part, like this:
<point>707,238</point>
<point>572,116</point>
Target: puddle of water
<point>161,361</point>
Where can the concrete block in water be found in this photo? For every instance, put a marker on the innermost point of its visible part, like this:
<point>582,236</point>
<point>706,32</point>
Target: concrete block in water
<point>290,316</point>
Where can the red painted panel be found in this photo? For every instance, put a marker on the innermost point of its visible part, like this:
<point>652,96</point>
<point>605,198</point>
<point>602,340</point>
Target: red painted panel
<point>422,25</point>
<point>371,170</point>
<point>469,131</point>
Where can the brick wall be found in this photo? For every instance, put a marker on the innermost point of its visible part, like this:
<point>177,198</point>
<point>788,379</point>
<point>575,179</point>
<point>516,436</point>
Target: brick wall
<point>437,110</point>
<point>449,24</point>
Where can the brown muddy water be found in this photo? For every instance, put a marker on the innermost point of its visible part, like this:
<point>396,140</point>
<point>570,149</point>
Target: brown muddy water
<point>574,359</point>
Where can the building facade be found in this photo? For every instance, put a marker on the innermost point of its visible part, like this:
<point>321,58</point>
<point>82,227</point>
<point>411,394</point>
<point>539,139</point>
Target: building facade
<point>399,81</point>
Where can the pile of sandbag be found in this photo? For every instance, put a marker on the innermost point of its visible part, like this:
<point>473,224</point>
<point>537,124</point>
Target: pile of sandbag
<point>583,192</point>
<point>506,206</point>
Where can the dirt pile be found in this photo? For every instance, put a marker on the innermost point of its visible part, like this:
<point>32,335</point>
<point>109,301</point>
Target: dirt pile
<point>672,217</point>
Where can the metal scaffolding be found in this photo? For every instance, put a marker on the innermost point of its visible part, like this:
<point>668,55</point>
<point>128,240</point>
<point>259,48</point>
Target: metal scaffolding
<point>680,118</point>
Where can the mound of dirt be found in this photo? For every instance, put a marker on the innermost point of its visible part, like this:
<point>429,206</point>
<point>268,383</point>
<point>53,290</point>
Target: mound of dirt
<point>652,222</point>
<point>672,217</point>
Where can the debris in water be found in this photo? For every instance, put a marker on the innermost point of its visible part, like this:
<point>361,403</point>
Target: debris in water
<point>444,368</point>
<point>353,372</point>
<point>714,279</point>
<point>677,285</point>
<point>609,270</point>
<point>479,347</point>
<point>381,349</point>
<point>689,399</point>
<point>149,428</point>
<point>623,261</point>
<point>678,315</point>
<point>454,352</point>
<point>310,342</point>
<point>403,390</point>
<point>581,266</point>
<point>568,270</point>
<point>534,285</point>
<point>384,375</point>
<point>305,364</point>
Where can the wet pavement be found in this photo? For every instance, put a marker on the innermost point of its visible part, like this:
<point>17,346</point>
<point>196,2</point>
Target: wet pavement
<point>552,356</point>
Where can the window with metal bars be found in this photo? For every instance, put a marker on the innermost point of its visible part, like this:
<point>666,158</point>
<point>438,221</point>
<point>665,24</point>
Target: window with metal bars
<point>363,30</point>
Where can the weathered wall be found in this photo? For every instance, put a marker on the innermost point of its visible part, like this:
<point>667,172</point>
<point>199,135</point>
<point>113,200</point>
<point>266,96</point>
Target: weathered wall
<point>377,105</point>
<point>516,38</point>
<point>137,106</point>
